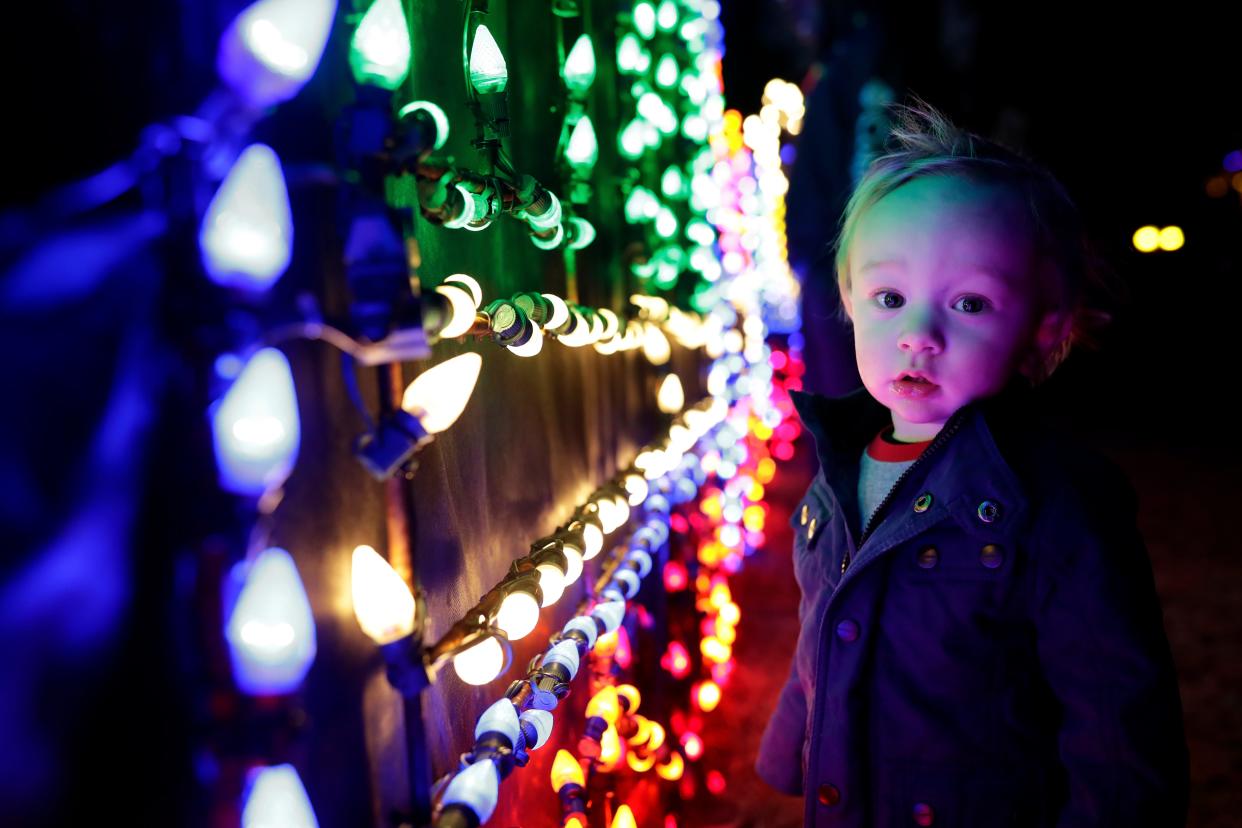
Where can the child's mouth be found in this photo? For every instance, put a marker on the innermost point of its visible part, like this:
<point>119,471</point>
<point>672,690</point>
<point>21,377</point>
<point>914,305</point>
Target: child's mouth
<point>913,387</point>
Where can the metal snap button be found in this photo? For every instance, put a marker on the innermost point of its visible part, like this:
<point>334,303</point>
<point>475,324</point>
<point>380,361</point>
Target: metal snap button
<point>847,630</point>
<point>991,556</point>
<point>805,511</point>
<point>989,511</point>
<point>828,794</point>
<point>928,558</point>
<point>923,814</point>
<point>810,530</point>
<point>923,503</point>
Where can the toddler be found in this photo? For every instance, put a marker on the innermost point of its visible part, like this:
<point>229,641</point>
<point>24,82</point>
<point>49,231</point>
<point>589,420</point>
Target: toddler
<point>981,642</point>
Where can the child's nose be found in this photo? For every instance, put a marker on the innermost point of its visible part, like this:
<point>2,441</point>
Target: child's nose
<point>920,334</point>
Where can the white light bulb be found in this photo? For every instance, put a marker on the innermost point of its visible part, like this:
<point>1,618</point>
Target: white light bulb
<point>604,508</point>
<point>439,395</point>
<point>277,797</point>
<point>573,561</point>
<point>469,283</point>
<point>247,232</point>
<point>655,345</point>
<point>671,397</point>
<point>518,614</point>
<point>560,311</point>
<point>623,509</point>
<point>271,631</point>
<point>481,662</point>
<point>551,583</point>
<point>501,717</point>
<point>637,486</point>
<point>488,72</point>
<point>256,427</point>
<point>461,309</point>
<point>594,540</point>
<point>530,347</point>
<point>645,20</point>
<point>272,48</point>
<point>476,788</point>
<point>383,604</point>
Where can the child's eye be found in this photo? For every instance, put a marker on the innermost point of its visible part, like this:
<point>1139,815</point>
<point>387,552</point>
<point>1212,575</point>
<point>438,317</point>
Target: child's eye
<point>974,301</point>
<point>884,303</point>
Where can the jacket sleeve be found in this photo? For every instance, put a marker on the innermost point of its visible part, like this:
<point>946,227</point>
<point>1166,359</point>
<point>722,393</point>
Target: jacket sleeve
<point>780,750</point>
<point>1103,651</point>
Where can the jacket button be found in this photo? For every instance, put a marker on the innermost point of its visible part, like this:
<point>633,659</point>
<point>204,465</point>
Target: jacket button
<point>923,814</point>
<point>805,511</point>
<point>923,503</point>
<point>991,556</point>
<point>929,557</point>
<point>828,795</point>
<point>847,630</point>
<point>989,511</point>
<point>810,529</point>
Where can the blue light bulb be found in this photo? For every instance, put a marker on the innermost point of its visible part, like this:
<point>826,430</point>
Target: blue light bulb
<point>247,233</point>
<point>475,788</point>
<point>277,797</point>
<point>271,631</point>
<point>256,426</point>
<point>273,47</point>
<point>501,717</point>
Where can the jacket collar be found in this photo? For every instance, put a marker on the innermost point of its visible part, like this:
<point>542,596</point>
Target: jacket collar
<point>985,433</point>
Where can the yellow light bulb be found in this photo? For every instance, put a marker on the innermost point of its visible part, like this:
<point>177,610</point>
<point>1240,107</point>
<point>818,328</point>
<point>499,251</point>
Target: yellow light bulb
<point>656,346</point>
<point>609,748</point>
<point>605,705</point>
<point>1146,239</point>
<point>631,694</point>
<point>638,764</point>
<point>707,696</point>
<point>657,737</point>
<point>624,818</point>
<point>673,769</point>
<point>715,650</point>
<point>383,603</point>
<point>566,770</point>
<point>1171,238</point>
<point>671,398</point>
<point>642,732</point>
<point>438,395</point>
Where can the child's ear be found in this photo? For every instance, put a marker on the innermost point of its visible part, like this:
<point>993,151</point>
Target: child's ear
<point>1053,329</point>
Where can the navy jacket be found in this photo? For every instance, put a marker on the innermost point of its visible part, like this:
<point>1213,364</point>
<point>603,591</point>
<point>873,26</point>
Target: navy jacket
<point>991,652</point>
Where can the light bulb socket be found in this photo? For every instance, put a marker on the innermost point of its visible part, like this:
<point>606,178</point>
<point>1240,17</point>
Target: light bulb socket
<point>391,447</point>
<point>523,578</point>
<point>509,325</point>
<point>572,535</point>
<point>403,660</point>
<point>535,305</point>
<point>551,553</point>
<point>457,816</point>
<point>494,107</point>
<point>589,745</point>
<point>573,802</point>
<point>590,514</point>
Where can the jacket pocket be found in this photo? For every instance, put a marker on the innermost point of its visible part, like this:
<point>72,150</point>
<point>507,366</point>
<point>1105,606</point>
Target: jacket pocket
<point>910,793</point>
<point>810,523</point>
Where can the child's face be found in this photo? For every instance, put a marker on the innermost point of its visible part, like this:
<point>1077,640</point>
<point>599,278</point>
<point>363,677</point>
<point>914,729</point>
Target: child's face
<point>942,282</point>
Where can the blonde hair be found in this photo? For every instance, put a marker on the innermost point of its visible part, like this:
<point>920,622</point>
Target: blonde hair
<point>925,143</point>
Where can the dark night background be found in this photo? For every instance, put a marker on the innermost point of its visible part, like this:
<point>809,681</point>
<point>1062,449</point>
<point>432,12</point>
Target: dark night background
<point>1133,110</point>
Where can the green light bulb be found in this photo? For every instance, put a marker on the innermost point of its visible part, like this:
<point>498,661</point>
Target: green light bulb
<point>632,142</point>
<point>488,72</point>
<point>666,223</point>
<point>579,69</point>
<point>667,15</point>
<point>645,20</point>
<point>672,184</point>
<point>379,53</point>
<point>629,53</point>
<point>583,150</point>
<point>666,72</point>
